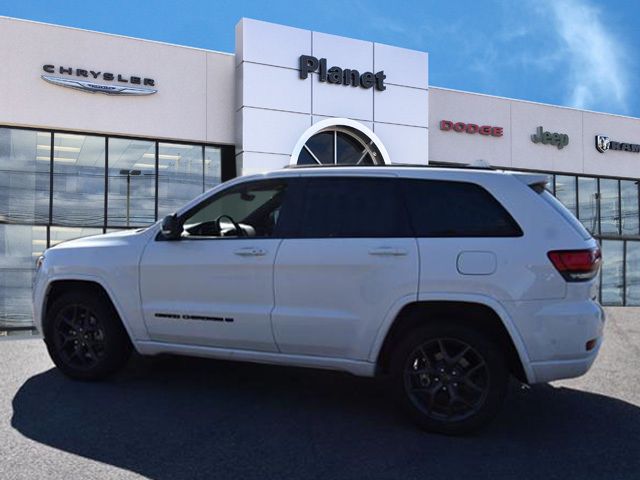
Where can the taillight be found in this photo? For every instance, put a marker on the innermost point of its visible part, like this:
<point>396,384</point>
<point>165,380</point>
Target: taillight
<point>576,265</point>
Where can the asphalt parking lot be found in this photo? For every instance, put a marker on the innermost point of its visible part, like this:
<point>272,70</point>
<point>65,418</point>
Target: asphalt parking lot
<point>172,417</point>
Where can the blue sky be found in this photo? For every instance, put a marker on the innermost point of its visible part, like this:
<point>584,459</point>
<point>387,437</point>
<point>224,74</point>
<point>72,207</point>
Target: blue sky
<point>577,53</point>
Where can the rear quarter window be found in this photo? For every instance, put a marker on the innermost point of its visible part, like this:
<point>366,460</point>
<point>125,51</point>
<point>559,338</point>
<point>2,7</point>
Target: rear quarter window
<point>442,208</point>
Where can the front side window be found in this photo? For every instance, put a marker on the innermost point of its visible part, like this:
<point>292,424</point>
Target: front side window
<point>456,209</point>
<point>248,210</point>
<point>353,207</point>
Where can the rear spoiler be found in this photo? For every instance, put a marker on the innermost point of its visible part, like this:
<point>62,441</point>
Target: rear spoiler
<point>537,181</point>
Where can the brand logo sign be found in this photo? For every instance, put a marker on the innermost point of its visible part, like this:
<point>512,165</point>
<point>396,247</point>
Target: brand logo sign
<point>340,76</point>
<point>603,143</point>
<point>472,128</point>
<point>560,140</point>
<point>73,78</point>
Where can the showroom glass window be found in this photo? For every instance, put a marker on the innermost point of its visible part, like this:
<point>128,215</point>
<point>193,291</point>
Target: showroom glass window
<point>24,176</point>
<point>612,273</point>
<point>132,170</point>
<point>20,245</point>
<point>566,191</point>
<point>588,203</point>
<point>632,262</point>
<point>212,167</point>
<point>180,175</point>
<point>34,217</point>
<point>629,204</point>
<point>609,206</point>
<point>78,179</point>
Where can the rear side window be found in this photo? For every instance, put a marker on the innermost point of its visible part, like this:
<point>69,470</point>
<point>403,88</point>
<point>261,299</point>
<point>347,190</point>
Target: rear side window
<point>440,208</point>
<point>353,207</point>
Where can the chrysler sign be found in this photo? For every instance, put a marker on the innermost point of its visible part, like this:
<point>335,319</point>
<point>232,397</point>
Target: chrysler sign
<point>603,143</point>
<point>91,81</point>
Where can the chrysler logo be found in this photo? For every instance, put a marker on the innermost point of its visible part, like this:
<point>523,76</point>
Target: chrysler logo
<point>143,86</point>
<point>602,143</point>
<point>98,87</point>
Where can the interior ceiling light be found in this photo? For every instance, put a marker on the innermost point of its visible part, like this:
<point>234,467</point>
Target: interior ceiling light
<point>61,148</point>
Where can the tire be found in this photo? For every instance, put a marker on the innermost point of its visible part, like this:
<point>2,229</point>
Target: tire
<point>455,392</point>
<point>84,336</point>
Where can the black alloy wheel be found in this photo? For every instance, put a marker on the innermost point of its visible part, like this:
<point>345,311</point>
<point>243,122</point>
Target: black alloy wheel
<point>450,377</point>
<point>79,336</point>
<point>84,335</point>
<point>446,378</point>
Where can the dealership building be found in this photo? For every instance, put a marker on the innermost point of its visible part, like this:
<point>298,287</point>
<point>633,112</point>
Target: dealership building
<point>101,132</point>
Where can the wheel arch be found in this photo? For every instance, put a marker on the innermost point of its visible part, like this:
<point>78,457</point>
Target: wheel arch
<point>59,286</point>
<point>419,312</point>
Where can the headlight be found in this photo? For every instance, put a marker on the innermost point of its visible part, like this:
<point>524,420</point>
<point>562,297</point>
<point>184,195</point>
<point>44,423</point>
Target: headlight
<point>39,262</point>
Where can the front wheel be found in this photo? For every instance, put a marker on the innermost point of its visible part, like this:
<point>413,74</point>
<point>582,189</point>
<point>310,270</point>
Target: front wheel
<point>450,378</point>
<point>85,337</point>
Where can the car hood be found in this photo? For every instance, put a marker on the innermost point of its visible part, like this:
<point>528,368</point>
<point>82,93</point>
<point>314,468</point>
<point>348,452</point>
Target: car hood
<point>104,240</point>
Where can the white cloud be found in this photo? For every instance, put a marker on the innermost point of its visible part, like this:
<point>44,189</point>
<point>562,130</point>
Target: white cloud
<point>595,59</point>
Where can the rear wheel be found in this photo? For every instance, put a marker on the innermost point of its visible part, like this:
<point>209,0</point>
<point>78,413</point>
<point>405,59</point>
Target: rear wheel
<point>450,378</point>
<point>85,337</point>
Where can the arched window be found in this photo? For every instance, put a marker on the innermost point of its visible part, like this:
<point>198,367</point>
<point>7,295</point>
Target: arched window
<point>339,145</point>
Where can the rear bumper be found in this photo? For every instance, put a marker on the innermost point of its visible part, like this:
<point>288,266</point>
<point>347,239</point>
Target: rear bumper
<point>555,335</point>
<point>558,369</point>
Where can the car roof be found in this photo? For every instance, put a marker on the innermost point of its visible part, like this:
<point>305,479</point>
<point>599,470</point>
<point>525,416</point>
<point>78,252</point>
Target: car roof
<point>395,170</point>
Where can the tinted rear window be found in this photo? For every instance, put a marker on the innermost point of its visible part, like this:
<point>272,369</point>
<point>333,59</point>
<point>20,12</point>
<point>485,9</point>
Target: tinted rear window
<point>441,208</point>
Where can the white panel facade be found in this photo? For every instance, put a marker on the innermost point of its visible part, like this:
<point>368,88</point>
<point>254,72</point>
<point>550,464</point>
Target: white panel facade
<point>264,86</point>
<point>525,120</point>
<point>462,147</point>
<point>272,130</point>
<point>520,120</point>
<point>257,100</point>
<point>414,102</point>
<point>317,118</point>
<point>259,162</point>
<point>270,44</point>
<point>268,76</point>
<point>343,52</point>
<point>404,144</point>
<point>342,101</point>
<point>402,66</point>
<point>618,129</point>
<point>180,109</point>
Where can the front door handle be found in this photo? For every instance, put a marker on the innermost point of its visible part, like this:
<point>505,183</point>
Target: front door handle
<point>388,251</point>
<point>250,252</point>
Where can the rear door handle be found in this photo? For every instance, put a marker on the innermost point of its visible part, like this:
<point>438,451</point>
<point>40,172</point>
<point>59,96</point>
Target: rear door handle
<point>388,251</point>
<point>250,252</point>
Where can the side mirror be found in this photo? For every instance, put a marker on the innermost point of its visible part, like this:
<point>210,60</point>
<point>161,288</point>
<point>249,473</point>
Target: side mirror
<point>171,227</point>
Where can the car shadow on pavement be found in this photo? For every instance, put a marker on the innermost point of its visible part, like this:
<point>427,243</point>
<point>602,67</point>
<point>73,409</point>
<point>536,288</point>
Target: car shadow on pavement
<point>174,417</point>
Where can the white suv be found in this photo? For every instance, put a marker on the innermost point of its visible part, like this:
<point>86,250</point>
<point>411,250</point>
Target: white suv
<point>445,281</point>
